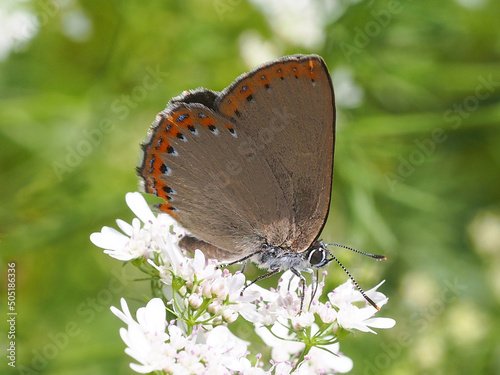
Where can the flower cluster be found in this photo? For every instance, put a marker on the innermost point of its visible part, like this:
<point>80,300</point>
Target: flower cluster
<point>161,346</point>
<point>203,294</point>
<point>283,303</point>
<point>156,236</point>
<point>203,300</point>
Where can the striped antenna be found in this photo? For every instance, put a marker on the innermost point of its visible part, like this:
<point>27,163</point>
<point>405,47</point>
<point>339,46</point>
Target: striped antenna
<point>368,299</point>
<point>374,256</point>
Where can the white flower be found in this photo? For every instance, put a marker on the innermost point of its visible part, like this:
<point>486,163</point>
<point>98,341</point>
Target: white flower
<point>195,301</point>
<point>196,269</point>
<point>228,350</point>
<point>139,207</point>
<point>281,342</point>
<point>146,338</point>
<point>229,315</point>
<point>137,241</point>
<point>283,368</point>
<point>350,316</point>
<point>285,302</point>
<point>202,296</point>
<point>347,293</point>
<point>170,253</point>
<point>177,338</point>
<point>153,317</point>
<point>158,346</point>
<point>326,312</point>
<point>120,246</point>
<point>321,359</point>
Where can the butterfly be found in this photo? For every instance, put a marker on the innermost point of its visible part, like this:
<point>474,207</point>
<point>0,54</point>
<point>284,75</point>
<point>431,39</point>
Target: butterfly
<point>248,171</point>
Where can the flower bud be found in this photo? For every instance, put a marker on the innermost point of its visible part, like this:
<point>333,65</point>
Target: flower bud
<point>302,321</point>
<point>207,290</point>
<point>214,308</point>
<point>326,313</point>
<point>195,301</point>
<point>219,289</point>
<point>182,291</point>
<point>229,315</point>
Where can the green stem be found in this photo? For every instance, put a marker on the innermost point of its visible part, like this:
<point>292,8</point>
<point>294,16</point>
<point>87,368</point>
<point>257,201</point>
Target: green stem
<point>200,310</point>
<point>302,355</point>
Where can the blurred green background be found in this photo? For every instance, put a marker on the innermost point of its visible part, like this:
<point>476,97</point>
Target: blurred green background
<point>417,164</point>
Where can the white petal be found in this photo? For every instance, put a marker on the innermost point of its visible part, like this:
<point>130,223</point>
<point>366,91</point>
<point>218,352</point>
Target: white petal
<point>259,292</point>
<point>380,322</point>
<point>124,335</point>
<point>223,339</point>
<point>237,282</point>
<point>344,294</point>
<point>266,336</point>
<point>323,360</point>
<point>125,227</point>
<point>283,368</point>
<point>109,238</point>
<point>228,348</point>
<point>198,261</point>
<point>142,369</point>
<point>139,207</point>
<point>121,254</point>
<point>153,316</point>
<point>125,316</point>
<point>376,296</point>
<point>326,313</point>
<point>138,345</point>
<point>382,302</point>
<point>281,349</point>
<point>303,320</point>
<point>171,252</point>
<point>177,338</point>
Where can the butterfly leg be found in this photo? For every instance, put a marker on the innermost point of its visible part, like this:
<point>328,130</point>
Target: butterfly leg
<point>303,281</point>
<point>261,277</point>
<point>246,257</point>
<point>314,286</point>
<point>245,262</point>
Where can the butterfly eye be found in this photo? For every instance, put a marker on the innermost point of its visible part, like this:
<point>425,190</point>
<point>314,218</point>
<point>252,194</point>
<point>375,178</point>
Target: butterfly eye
<point>317,257</point>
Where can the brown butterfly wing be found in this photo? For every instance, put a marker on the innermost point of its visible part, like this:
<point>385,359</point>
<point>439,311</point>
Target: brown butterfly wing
<point>250,166</point>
